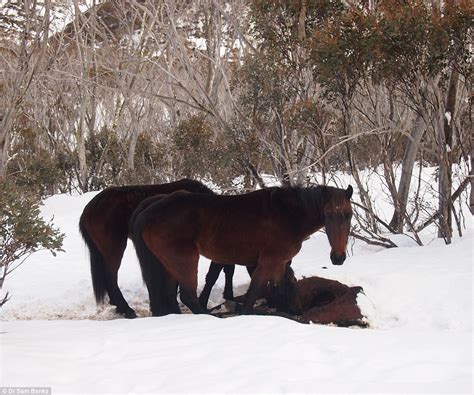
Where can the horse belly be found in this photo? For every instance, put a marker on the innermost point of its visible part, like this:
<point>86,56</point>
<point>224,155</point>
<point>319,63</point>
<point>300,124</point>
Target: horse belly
<point>229,253</point>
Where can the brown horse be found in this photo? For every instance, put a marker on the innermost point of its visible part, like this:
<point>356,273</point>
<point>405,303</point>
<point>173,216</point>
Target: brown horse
<point>165,302</point>
<point>104,228</point>
<point>264,229</point>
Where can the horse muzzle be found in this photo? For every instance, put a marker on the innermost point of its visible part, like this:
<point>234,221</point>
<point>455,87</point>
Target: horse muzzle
<point>338,259</point>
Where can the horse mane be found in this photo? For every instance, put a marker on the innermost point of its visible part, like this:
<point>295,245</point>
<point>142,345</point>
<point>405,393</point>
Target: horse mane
<point>308,198</point>
<point>312,197</point>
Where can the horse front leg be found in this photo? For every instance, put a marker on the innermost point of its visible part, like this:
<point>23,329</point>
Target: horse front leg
<point>264,273</point>
<point>211,278</point>
<point>229,277</point>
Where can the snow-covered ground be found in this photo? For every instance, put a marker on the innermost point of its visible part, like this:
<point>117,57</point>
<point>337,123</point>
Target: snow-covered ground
<point>418,301</point>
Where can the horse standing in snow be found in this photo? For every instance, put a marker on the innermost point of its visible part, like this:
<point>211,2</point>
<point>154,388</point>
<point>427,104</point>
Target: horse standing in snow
<point>264,229</point>
<point>104,227</point>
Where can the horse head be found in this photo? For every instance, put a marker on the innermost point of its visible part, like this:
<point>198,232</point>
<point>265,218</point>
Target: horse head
<point>337,220</point>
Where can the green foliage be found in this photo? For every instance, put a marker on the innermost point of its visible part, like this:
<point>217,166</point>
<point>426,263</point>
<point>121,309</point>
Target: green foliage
<point>198,150</point>
<point>275,22</point>
<point>151,162</point>
<point>284,44</point>
<point>274,84</point>
<point>193,147</point>
<point>105,157</point>
<point>342,51</point>
<point>396,42</point>
<point>36,165</point>
<point>266,87</point>
<point>238,149</point>
<point>22,230</point>
<point>343,47</point>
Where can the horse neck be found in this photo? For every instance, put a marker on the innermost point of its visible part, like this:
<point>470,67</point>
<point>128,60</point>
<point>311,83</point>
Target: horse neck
<point>313,207</point>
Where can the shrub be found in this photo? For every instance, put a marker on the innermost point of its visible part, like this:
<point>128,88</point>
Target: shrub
<point>22,230</point>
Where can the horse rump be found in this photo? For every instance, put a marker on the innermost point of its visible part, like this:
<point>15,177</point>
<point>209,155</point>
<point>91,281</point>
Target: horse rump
<point>162,289</point>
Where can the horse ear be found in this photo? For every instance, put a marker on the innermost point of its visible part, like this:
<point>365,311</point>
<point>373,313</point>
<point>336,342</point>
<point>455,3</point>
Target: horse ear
<point>349,192</point>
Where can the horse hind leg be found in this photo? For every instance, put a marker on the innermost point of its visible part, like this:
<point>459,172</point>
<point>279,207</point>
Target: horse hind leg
<point>190,299</point>
<point>116,297</point>
<point>170,293</point>
<point>105,253</point>
<point>155,277</point>
<point>163,294</point>
<point>183,268</point>
<point>111,262</point>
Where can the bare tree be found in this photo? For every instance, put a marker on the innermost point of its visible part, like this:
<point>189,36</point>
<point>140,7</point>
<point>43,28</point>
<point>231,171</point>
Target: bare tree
<point>22,61</point>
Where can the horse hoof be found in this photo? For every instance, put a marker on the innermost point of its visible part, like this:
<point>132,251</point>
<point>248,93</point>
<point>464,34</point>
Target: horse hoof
<point>129,313</point>
<point>239,308</point>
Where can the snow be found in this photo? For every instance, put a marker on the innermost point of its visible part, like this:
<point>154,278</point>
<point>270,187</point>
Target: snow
<point>188,354</point>
<point>448,117</point>
<point>418,301</point>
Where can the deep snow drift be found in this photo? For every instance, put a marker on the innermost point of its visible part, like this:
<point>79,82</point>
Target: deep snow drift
<point>418,302</point>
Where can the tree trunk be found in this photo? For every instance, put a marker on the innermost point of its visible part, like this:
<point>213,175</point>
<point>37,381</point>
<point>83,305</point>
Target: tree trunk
<point>408,163</point>
<point>364,195</point>
<point>302,20</point>
<point>445,141</point>
<point>302,165</point>
<point>81,149</point>
<point>5,127</point>
<point>471,200</point>
<point>80,130</point>
<point>444,182</point>
<point>450,111</point>
<point>132,148</point>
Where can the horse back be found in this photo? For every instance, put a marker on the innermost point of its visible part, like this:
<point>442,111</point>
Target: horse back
<point>106,217</point>
<point>116,204</point>
<point>227,229</point>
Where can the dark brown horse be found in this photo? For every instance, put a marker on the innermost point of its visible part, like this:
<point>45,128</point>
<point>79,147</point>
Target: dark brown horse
<point>165,302</point>
<point>264,229</point>
<point>104,228</point>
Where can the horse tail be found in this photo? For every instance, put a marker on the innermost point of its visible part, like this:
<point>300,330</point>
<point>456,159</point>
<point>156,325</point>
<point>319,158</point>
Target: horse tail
<point>153,272</point>
<point>98,268</point>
